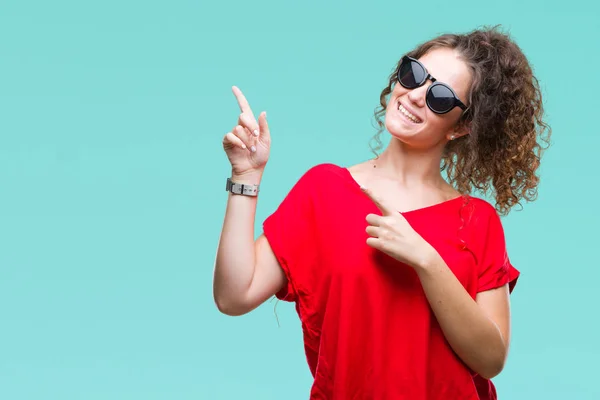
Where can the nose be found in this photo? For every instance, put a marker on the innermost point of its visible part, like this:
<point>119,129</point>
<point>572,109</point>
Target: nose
<point>417,95</point>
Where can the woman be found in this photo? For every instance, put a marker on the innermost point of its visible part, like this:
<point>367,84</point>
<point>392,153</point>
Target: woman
<point>401,279</point>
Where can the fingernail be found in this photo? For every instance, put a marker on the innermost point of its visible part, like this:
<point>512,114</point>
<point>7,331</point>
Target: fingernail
<point>244,146</point>
<point>253,149</point>
<point>255,132</point>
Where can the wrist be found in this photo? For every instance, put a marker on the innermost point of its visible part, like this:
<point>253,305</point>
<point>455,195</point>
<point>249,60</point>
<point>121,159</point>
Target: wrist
<point>247,178</point>
<point>428,260</point>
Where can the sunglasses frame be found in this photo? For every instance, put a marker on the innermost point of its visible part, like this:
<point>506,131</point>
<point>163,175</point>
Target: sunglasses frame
<point>435,82</point>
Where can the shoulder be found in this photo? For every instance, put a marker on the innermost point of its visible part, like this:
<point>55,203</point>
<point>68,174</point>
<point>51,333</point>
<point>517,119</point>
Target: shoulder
<point>481,217</point>
<point>321,174</point>
<point>480,209</point>
<point>308,192</point>
<point>323,170</point>
<point>312,181</point>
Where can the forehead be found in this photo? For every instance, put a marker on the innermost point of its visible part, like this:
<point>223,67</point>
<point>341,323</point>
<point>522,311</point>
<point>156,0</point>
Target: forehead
<point>446,66</point>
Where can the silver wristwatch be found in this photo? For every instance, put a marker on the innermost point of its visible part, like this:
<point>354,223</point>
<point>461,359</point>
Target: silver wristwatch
<point>241,188</point>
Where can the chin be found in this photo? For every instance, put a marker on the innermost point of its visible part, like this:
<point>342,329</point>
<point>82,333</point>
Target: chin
<point>413,138</point>
<point>400,130</point>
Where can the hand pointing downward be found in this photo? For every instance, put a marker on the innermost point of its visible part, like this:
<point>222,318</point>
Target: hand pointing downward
<point>392,234</point>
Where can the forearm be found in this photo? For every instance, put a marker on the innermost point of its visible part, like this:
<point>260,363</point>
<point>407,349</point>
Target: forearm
<point>474,337</point>
<point>235,261</point>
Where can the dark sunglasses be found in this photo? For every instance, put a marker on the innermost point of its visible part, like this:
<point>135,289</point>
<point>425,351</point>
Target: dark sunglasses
<point>440,97</point>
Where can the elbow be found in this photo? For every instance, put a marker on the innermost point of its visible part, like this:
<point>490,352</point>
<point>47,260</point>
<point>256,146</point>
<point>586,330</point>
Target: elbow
<point>492,368</point>
<point>492,362</point>
<point>231,311</point>
<point>491,372</point>
<point>229,302</point>
<point>229,307</point>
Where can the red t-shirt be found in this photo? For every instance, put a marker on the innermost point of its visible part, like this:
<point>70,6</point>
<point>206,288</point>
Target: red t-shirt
<point>369,332</point>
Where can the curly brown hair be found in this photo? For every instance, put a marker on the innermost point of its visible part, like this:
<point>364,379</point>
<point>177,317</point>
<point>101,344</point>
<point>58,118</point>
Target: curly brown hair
<point>505,119</point>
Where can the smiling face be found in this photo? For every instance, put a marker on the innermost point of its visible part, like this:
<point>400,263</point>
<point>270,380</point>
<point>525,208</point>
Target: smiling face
<point>408,118</point>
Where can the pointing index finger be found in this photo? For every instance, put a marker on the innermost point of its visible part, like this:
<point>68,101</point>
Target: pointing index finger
<point>385,209</point>
<point>241,99</point>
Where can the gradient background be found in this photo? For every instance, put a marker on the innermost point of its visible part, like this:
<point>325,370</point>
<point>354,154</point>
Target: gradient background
<point>112,182</point>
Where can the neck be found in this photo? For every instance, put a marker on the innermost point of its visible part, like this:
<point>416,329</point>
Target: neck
<point>410,166</point>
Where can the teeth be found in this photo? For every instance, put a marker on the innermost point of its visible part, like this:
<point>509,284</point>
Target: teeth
<point>408,114</point>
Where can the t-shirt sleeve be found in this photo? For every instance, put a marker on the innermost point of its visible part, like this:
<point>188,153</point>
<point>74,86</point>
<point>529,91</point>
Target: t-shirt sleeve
<point>495,268</point>
<point>290,231</point>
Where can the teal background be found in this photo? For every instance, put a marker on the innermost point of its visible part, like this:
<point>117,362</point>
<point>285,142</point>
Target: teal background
<point>112,185</point>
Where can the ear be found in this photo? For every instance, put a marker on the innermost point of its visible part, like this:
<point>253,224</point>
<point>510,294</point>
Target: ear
<point>459,130</point>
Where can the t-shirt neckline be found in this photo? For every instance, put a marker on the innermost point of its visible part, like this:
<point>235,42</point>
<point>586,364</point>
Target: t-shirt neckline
<point>416,210</point>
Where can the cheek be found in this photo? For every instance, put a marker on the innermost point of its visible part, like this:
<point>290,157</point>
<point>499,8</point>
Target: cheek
<point>435,120</point>
<point>397,91</point>
<point>441,122</point>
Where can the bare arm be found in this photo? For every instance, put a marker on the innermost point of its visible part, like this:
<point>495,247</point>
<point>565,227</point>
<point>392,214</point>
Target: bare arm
<point>477,330</point>
<point>246,273</point>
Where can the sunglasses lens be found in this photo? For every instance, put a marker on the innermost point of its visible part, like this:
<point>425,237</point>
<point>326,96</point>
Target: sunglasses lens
<point>440,98</point>
<point>411,74</point>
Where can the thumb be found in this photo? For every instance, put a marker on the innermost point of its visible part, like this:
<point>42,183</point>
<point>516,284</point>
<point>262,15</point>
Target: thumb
<point>265,134</point>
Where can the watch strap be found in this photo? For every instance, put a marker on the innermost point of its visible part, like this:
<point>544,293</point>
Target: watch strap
<point>241,188</point>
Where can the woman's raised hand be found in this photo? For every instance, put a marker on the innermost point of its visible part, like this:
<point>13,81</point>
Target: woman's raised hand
<point>248,144</point>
